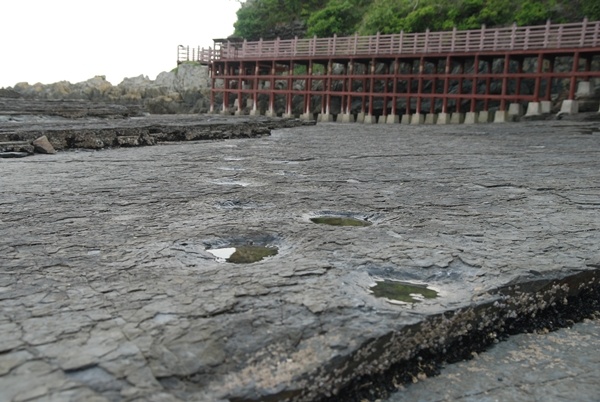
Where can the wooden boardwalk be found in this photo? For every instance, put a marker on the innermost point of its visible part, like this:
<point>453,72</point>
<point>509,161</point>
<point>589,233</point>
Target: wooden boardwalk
<point>456,76</point>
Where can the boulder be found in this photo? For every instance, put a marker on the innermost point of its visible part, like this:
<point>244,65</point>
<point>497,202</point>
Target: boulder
<point>43,146</point>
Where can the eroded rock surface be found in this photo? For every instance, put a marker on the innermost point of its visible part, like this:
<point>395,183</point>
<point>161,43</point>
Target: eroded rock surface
<point>17,133</point>
<point>108,292</point>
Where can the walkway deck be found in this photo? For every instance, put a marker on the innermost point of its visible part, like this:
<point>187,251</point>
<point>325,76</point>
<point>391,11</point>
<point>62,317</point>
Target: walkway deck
<point>437,77</point>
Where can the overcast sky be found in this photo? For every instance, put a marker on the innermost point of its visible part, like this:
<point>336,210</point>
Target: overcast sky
<point>73,40</point>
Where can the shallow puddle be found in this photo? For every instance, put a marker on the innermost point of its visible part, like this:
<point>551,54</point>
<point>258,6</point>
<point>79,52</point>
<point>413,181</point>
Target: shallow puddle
<point>340,221</point>
<point>243,254</point>
<point>403,292</point>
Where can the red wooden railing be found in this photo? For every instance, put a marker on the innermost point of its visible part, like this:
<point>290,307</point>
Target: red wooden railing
<point>513,38</point>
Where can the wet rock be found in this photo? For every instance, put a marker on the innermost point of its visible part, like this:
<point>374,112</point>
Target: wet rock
<point>16,146</point>
<point>13,154</point>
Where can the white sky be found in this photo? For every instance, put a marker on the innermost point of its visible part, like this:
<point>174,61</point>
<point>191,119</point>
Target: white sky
<point>73,40</point>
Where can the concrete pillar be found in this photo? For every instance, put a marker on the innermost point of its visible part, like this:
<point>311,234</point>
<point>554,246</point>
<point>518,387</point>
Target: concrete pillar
<point>254,111</point>
<point>405,119</point>
<point>392,119</point>
<point>501,116</point>
<point>545,107</point>
<point>515,109</point>
<point>306,116</point>
<point>325,118</point>
<point>239,113</point>
<point>443,118</point>
<point>457,118</point>
<point>471,118</point>
<point>431,118</point>
<point>271,113</point>
<point>484,117</point>
<point>417,118</point>
<point>533,109</point>
<point>584,89</point>
<point>569,106</point>
<point>360,117</point>
<point>346,118</point>
<point>370,119</point>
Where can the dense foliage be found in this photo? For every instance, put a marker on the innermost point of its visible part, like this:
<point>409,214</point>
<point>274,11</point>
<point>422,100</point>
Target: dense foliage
<point>281,18</point>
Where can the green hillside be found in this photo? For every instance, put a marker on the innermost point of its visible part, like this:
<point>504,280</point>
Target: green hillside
<point>269,19</point>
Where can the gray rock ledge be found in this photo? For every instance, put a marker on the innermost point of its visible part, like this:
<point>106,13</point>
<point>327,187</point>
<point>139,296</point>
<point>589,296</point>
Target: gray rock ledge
<point>107,291</point>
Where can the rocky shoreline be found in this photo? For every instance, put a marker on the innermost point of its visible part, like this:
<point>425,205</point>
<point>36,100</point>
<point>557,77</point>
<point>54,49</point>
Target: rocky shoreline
<point>70,124</point>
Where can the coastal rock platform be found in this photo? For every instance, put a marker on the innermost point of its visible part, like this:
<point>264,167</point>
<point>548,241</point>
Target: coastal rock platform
<point>111,289</point>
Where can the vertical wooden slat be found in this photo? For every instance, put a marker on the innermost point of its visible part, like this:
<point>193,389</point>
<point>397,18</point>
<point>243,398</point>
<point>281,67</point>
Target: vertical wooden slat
<point>513,36</point>
<point>334,44</point>
<point>482,37</point>
<point>583,32</point>
<point>453,39</point>
<point>401,41</point>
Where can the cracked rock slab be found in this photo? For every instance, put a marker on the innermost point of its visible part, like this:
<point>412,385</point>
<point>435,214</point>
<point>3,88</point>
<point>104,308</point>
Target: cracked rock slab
<point>107,289</point>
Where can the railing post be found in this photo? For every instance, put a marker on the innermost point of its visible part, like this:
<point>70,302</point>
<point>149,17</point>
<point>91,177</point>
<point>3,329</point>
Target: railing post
<point>526,44</point>
<point>401,41</point>
<point>496,33</point>
<point>559,39</point>
<point>334,40</point>
<point>513,36</point>
<point>415,36</point>
<point>276,49</point>
<point>583,32</point>
<point>314,45</point>
<point>244,49</point>
<point>295,46</point>
<point>426,40</point>
<point>260,47</point>
<point>596,33</point>
<point>547,34</point>
<point>453,39</point>
<point>482,37</point>
<point>377,43</point>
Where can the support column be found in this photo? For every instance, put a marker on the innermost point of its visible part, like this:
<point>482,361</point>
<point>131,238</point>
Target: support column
<point>307,115</point>
<point>501,115</point>
<point>347,116</point>
<point>471,115</point>
<point>570,105</point>
<point>240,84</point>
<point>370,118</point>
<point>325,115</point>
<point>213,83</point>
<point>225,104</point>
<point>457,117</point>
<point>444,117</point>
<point>393,118</point>
<point>271,112</point>
<point>419,118</point>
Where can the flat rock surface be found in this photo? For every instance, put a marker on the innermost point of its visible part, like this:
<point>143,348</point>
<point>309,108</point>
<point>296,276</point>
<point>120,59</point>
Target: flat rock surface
<point>557,366</point>
<point>108,292</point>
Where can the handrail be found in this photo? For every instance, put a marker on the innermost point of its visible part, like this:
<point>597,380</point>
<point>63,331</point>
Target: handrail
<point>513,38</point>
